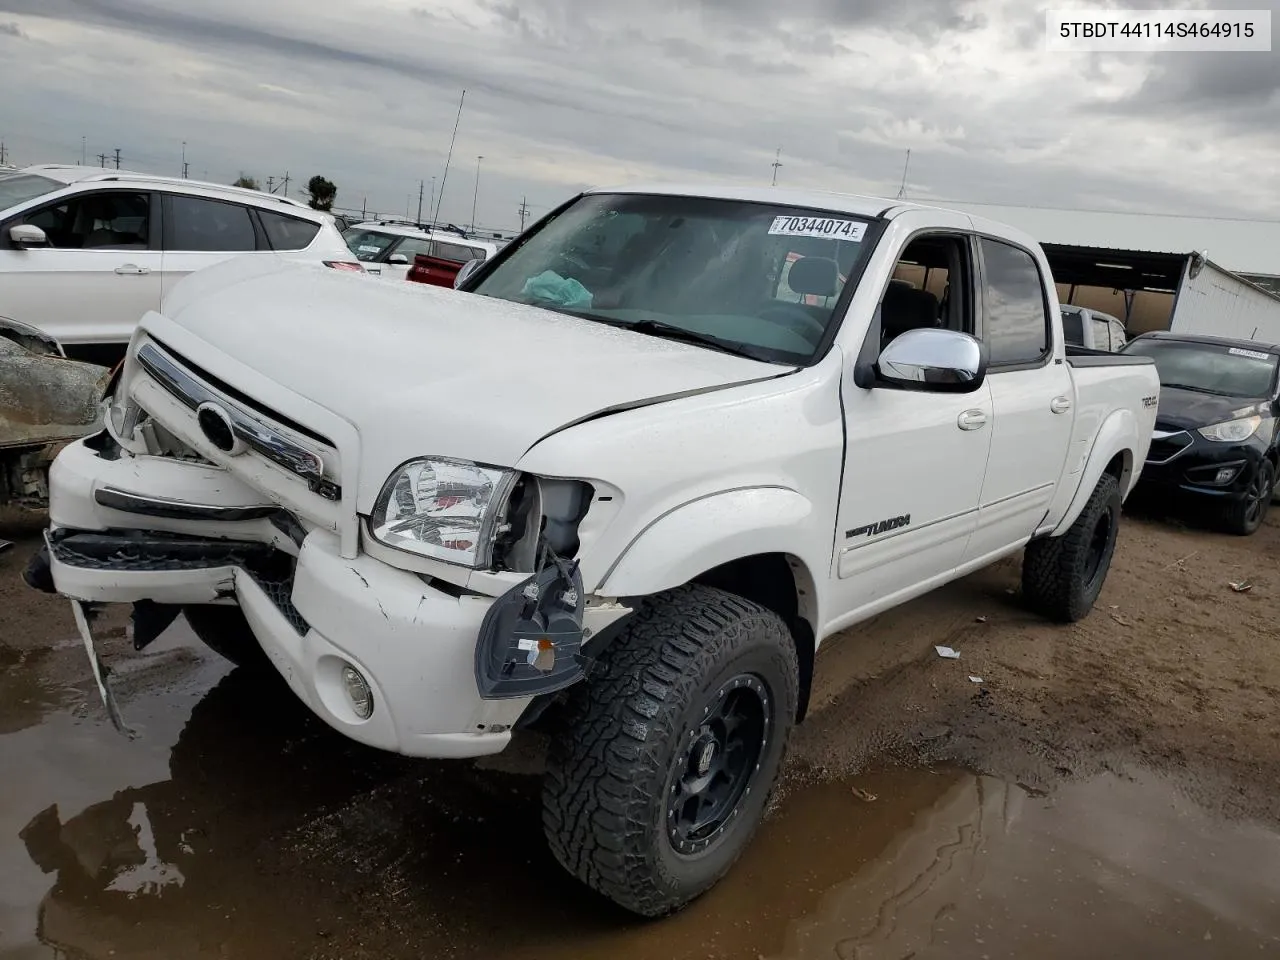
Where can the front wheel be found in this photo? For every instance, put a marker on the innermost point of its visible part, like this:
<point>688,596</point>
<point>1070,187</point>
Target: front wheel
<point>1244,516</point>
<point>670,750</point>
<point>1062,576</point>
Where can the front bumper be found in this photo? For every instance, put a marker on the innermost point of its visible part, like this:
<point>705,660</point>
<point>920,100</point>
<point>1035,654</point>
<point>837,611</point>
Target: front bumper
<point>1186,463</point>
<point>413,641</point>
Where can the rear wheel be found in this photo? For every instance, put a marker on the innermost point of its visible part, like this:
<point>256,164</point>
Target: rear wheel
<point>226,632</point>
<point>668,754</point>
<point>1244,516</point>
<point>1062,576</point>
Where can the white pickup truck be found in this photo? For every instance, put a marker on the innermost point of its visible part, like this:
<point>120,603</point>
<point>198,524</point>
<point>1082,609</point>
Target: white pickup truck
<point>622,483</point>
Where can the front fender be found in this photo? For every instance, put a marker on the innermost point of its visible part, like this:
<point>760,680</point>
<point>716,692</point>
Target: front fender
<point>705,533</point>
<point>1118,435</point>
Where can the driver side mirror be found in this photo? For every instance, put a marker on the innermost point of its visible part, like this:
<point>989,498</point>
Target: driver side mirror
<point>466,270</point>
<point>933,360</point>
<point>398,258</point>
<point>26,235</point>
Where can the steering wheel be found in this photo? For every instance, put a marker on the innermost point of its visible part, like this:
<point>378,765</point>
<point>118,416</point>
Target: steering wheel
<point>793,318</point>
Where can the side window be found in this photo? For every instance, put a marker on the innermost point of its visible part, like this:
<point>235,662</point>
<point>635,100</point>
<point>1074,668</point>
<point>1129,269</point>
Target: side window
<point>1073,327</point>
<point>1102,334</point>
<point>111,220</point>
<point>197,224</point>
<point>457,252</point>
<point>287,233</point>
<point>931,286</point>
<point>1015,324</point>
<point>412,246</point>
<point>1117,335</point>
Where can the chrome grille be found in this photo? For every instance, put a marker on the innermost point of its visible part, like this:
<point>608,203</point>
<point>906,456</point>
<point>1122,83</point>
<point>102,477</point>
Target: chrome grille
<point>256,428</point>
<point>1165,445</point>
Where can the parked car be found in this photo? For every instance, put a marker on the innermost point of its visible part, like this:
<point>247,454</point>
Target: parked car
<point>631,481</point>
<point>85,252</point>
<point>1215,445</point>
<point>389,248</point>
<point>46,401</point>
<point>1092,329</point>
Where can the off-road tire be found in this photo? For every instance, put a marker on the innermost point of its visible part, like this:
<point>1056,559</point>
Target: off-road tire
<point>1056,578</point>
<point>614,763</point>
<point>1240,517</point>
<point>225,631</point>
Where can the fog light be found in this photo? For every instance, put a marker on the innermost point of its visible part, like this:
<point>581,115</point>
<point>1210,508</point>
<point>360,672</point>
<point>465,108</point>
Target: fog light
<point>358,692</point>
<point>1224,475</point>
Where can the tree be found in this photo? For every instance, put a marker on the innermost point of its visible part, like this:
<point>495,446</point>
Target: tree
<point>323,193</point>
<point>248,182</point>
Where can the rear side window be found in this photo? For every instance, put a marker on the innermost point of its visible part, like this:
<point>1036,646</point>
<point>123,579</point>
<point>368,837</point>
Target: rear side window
<point>1015,323</point>
<point>457,252</point>
<point>287,233</point>
<point>1073,327</point>
<point>197,224</point>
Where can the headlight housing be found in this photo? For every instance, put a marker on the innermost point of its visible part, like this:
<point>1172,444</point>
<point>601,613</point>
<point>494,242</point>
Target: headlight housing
<point>1232,431</point>
<point>448,510</point>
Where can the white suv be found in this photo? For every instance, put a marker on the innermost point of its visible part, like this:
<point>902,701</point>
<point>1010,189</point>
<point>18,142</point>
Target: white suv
<point>387,247</point>
<point>85,252</point>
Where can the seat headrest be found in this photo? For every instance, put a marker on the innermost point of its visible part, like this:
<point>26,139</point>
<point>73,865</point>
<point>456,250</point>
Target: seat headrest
<point>814,277</point>
<point>906,308</point>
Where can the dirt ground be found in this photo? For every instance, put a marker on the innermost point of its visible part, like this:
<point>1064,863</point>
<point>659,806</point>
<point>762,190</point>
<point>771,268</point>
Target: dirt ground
<point>1110,788</point>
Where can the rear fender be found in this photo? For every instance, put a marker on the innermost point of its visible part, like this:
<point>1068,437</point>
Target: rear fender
<point>1118,435</point>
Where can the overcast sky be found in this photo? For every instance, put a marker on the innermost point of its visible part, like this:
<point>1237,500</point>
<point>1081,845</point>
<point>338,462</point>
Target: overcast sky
<point>562,94</point>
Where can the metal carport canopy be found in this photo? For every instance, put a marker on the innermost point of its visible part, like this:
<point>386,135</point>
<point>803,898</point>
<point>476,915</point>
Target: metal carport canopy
<point>1115,269</point>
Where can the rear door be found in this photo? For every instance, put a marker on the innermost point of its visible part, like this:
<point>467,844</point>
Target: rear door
<point>1032,397</point>
<point>99,274</point>
<point>201,231</point>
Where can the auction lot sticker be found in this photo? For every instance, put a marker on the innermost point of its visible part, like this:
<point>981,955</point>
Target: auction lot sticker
<point>830,227</point>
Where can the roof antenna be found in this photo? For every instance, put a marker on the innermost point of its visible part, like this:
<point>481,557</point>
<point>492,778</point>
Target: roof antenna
<point>902,190</point>
<point>777,162</point>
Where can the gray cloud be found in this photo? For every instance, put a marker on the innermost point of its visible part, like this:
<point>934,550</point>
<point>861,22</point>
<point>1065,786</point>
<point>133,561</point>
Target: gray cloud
<point>565,93</point>
<point>11,29</point>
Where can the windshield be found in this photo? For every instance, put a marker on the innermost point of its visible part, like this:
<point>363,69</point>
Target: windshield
<point>367,244</point>
<point>748,278</point>
<point>1210,367</point>
<point>21,187</point>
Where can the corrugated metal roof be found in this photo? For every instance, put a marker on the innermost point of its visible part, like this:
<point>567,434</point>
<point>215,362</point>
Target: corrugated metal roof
<point>1241,246</point>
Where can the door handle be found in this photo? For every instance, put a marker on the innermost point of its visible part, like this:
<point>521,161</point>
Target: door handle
<point>1060,404</point>
<point>132,269</point>
<point>971,420</point>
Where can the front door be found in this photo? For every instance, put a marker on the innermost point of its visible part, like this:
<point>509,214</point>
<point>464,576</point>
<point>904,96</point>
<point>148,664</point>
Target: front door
<point>915,461</point>
<point>98,275</point>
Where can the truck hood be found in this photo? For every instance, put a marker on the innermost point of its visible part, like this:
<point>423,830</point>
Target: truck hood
<point>1189,409</point>
<point>429,371</point>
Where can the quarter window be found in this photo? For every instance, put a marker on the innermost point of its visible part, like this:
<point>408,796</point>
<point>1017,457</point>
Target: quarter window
<point>287,233</point>
<point>198,224</point>
<point>113,220</point>
<point>1015,322</point>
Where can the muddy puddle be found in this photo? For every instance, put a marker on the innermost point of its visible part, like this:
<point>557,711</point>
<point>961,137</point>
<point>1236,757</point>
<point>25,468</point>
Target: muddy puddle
<point>239,826</point>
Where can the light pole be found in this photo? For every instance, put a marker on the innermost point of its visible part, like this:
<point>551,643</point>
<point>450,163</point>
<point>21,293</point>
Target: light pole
<point>476,195</point>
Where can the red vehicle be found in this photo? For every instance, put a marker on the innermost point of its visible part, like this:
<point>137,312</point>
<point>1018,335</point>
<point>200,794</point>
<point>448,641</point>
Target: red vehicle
<point>436,270</point>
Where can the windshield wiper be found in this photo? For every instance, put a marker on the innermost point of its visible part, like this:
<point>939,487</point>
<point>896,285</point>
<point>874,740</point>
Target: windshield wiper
<point>669,331</point>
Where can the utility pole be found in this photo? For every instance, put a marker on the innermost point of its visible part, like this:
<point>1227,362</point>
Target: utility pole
<point>102,160</point>
<point>902,190</point>
<point>117,158</point>
<point>524,211</point>
<point>421,187</point>
<point>445,178</point>
<point>271,184</point>
<point>777,162</point>
<point>475,196</point>
<point>4,154</point>
<point>184,159</point>
<point>84,144</point>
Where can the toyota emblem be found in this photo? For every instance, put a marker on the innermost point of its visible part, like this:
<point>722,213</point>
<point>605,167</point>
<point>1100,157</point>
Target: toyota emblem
<point>215,424</point>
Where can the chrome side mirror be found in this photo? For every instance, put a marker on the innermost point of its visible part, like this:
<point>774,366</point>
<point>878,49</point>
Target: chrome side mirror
<point>465,271</point>
<point>933,360</point>
<point>28,235</point>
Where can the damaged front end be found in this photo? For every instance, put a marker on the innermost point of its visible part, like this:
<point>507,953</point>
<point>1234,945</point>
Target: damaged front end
<point>46,401</point>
